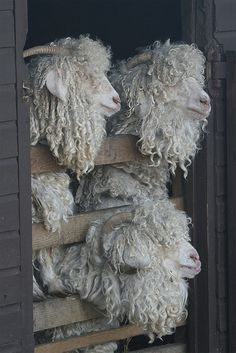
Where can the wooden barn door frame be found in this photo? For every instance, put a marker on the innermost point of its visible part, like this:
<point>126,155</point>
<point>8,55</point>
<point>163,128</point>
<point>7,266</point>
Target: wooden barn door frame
<point>200,192</point>
<point>231,196</point>
<point>24,179</point>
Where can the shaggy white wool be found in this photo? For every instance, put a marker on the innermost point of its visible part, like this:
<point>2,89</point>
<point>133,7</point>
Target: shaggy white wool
<point>125,271</point>
<point>148,293</point>
<point>154,97</point>
<point>52,200</point>
<point>122,184</point>
<point>73,128</point>
<point>161,104</point>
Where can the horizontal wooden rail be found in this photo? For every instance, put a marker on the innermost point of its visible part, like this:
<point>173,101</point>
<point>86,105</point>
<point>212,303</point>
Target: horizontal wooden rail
<point>117,149</point>
<point>62,311</point>
<point>169,348</point>
<point>77,227</point>
<point>94,339</point>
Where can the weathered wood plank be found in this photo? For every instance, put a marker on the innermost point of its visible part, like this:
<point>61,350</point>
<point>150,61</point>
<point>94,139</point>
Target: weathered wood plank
<point>169,348</point>
<point>7,38</point>
<point>90,339</point>
<point>7,103</point>
<point>8,140</point>
<point>115,149</point>
<point>228,39</point>
<point>7,66</point>
<point>62,311</point>
<point>77,227</point>
<point>10,285</point>
<point>231,199</point>
<point>9,213</point>
<point>8,176</point>
<point>6,5</point>
<point>9,250</point>
<point>94,339</point>
<point>225,15</point>
<point>10,323</point>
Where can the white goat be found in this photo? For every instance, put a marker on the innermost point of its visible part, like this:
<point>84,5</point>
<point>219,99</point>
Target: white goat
<point>132,266</point>
<point>70,100</point>
<point>71,96</point>
<point>164,104</point>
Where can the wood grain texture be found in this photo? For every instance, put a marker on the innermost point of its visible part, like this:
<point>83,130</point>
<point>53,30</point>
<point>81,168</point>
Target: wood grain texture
<point>77,227</point>
<point>8,140</point>
<point>6,5</point>
<point>8,176</point>
<point>62,311</point>
<point>225,15</point>
<point>169,348</point>
<point>73,231</point>
<point>7,103</point>
<point>9,250</point>
<point>115,149</point>
<point>7,65</point>
<point>231,198</point>
<point>9,213</point>
<point>11,326</point>
<point>7,38</point>
<point>90,339</point>
<point>103,337</point>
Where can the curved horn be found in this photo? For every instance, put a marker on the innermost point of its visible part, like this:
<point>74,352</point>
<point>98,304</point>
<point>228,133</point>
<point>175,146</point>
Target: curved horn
<point>113,221</point>
<point>139,59</point>
<point>45,50</point>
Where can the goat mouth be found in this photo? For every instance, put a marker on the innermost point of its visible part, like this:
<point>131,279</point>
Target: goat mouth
<point>201,112</point>
<point>111,110</point>
<point>196,269</point>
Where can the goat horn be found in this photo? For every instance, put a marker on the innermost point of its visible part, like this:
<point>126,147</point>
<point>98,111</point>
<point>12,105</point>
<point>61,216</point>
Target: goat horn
<point>113,221</point>
<point>45,50</point>
<point>138,59</point>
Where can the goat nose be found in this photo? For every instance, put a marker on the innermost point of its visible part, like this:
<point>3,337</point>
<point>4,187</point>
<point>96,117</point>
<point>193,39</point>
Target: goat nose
<point>194,256</point>
<point>116,99</point>
<point>204,99</point>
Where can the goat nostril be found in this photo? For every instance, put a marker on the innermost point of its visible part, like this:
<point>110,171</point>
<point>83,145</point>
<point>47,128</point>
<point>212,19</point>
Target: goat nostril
<point>194,257</point>
<point>116,100</point>
<point>204,100</point>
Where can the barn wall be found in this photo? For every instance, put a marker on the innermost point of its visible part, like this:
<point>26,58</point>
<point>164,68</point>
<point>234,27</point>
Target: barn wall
<point>225,23</point>
<point>15,224</point>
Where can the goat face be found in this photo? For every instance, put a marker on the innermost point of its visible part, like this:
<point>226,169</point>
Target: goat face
<point>99,93</point>
<point>107,99</point>
<point>183,260</point>
<point>189,96</point>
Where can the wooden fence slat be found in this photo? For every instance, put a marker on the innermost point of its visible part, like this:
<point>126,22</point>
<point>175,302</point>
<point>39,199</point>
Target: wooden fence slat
<point>100,338</point>
<point>90,339</point>
<point>71,232</point>
<point>169,348</point>
<point>117,149</point>
<point>77,227</point>
<point>62,311</point>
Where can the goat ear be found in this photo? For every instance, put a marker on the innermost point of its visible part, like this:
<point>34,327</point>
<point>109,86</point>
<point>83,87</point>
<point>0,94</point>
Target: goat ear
<point>55,84</point>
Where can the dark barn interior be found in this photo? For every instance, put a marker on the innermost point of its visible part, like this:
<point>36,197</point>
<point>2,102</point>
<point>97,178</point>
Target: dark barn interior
<point>123,25</point>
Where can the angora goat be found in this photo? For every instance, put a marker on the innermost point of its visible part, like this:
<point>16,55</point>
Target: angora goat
<point>71,96</point>
<point>70,100</point>
<point>164,104</point>
<point>52,201</point>
<point>133,267</point>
